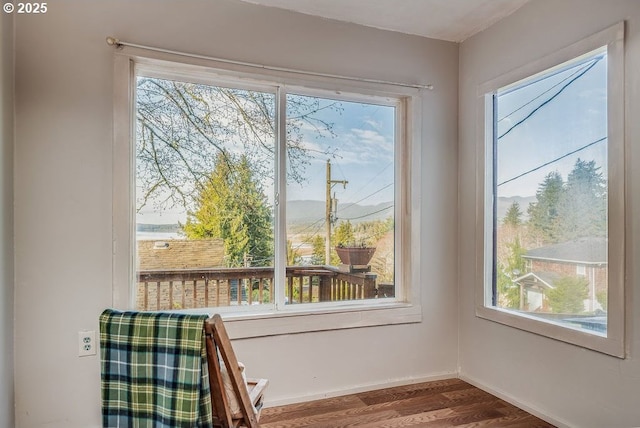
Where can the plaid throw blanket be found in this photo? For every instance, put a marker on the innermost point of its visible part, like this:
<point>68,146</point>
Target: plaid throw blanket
<point>154,370</point>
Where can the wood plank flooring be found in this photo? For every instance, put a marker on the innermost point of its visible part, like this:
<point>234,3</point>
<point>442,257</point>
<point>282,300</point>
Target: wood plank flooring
<point>445,403</point>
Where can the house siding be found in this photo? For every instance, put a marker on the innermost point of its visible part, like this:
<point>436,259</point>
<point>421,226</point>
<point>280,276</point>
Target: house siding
<point>595,274</point>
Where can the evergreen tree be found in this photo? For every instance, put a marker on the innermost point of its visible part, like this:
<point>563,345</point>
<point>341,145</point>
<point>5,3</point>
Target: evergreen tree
<point>543,214</point>
<point>318,254</point>
<point>568,295</point>
<point>232,206</point>
<point>575,209</point>
<point>514,266</point>
<point>513,216</point>
<point>583,205</point>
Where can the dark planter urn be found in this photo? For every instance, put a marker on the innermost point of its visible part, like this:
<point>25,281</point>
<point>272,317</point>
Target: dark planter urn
<point>355,256</point>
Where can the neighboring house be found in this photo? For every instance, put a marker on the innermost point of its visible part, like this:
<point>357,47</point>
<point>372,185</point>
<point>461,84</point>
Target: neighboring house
<point>170,255</point>
<point>586,257</point>
<point>180,254</point>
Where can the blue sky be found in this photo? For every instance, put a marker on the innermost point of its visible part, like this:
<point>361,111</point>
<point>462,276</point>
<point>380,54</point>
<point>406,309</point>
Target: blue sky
<point>547,126</point>
<point>361,152</point>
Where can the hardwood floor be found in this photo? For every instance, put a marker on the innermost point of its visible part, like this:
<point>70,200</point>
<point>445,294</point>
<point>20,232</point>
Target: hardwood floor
<point>445,403</point>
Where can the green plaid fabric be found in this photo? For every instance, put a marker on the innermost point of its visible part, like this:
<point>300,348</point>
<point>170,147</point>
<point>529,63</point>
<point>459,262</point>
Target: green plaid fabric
<point>154,370</point>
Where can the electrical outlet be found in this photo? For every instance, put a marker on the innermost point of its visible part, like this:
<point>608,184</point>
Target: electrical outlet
<point>87,343</point>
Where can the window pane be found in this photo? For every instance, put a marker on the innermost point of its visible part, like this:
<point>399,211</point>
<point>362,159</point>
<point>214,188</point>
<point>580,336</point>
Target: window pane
<point>204,192</point>
<point>340,200</point>
<point>550,186</point>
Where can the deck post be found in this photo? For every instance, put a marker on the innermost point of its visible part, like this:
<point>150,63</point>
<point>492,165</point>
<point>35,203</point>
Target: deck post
<point>370,285</point>
<point>324,285</point>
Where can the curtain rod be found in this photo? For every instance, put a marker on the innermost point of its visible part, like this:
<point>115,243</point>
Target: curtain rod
<point>119,44</point>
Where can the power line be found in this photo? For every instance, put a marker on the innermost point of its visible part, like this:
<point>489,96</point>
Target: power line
<point>552,161</point>
<point>366,197</point>
<point>546,91</point>
<point>320,221</point>
<point>371,180</point>
<point>552,73</point>
<point>534,111</point>
<point>369,214</point>
<point>307,241</point>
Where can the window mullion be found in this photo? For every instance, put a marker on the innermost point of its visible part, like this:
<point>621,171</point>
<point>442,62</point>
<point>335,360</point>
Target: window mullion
<point>494,198</point>
<point>280,179</point>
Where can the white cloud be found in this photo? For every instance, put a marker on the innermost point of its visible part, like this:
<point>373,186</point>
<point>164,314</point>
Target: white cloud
<point>369,137</point>
<point>373,123</point>
<point>370,145</point>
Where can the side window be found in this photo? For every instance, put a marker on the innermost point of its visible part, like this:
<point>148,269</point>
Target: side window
<point>551,186</point>
<point>554,209</point>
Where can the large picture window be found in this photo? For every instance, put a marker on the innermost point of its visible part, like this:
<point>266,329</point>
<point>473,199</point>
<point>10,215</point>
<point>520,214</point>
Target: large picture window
<point>258,199</point>
<point>206,196</point>
<point>553,195</point>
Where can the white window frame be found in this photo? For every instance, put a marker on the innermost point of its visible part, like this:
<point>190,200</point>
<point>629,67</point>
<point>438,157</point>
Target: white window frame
<point>613,343</point>
<point>268,320</point>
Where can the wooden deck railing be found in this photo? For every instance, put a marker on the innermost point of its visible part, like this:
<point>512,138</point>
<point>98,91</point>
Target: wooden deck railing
<point>196,288</point>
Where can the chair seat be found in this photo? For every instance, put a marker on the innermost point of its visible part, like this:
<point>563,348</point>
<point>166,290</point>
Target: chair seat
<point>256,389</point>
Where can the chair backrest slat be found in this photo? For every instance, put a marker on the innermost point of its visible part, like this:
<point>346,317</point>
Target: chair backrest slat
<point>218,343</point>
<point>219,402</point>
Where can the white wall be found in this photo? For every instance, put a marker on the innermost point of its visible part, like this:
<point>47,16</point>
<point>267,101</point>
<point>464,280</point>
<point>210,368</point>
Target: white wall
<point>63,178</point>
<point>574,386</point>
<point>6,222</point>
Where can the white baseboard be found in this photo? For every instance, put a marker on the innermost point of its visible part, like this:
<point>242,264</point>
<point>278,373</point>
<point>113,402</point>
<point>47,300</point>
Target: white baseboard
<point>511,400</point>
<point>357,389</point>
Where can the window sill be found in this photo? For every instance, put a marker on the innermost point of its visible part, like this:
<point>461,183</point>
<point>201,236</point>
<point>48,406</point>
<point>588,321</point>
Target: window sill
<point>611,344</point>
<point>248,325</point>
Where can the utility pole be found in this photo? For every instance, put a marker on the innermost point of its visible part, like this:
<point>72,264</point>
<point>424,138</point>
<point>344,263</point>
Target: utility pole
<point>329,208</point>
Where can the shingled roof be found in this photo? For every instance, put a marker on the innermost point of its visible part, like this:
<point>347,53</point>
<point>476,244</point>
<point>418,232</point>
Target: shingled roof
<point>592,250</point>
<point>180,254</point>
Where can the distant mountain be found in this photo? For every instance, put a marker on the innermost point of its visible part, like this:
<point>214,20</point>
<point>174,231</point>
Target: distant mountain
<point>504,204</point>
<point>158,228</point>
<point>299,213</point>
<point>305,212</point>
<point>309,212</point>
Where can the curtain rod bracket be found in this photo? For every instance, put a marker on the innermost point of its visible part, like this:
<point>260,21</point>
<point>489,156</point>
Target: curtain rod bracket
<point>112,41</point>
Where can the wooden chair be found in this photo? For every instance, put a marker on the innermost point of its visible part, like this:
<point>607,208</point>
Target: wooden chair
<point>249,395</point>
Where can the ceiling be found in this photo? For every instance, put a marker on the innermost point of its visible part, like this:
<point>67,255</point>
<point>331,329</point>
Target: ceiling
<point>451,20</point>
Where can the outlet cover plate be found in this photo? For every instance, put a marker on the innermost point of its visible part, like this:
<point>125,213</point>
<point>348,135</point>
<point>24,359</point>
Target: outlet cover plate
<point>87,343</point>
